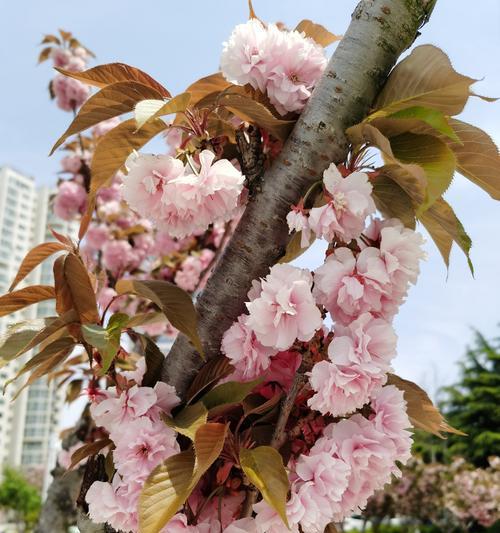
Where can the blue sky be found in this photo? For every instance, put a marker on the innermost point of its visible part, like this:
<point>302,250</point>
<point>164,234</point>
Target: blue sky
<point>178,42</point>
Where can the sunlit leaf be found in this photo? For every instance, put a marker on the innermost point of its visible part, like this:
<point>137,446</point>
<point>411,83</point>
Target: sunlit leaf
<point>213,84</point>
<point>421,411</point>
<point>111,101</point>
<point>264,468</point>
<point>171,483</point>
<point>104,75</point>
<point>432,117</point>
<point>106,340</point>
<point>444,228</point>
<point>13,301</point>
<point>115,146</point>
<point>317,32</point>
<point>431,154</point>
<point>425,78</point>
<point>477,157</point>
<point>34,257</point>
<point>175,303</point>
<point>44,54</point>
<point>188,420</point>
<point>148,110</point>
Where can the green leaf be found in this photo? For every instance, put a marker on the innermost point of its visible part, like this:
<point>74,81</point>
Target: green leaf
<point>444,228</point>
<point>425,78</point>
<point>188,420</point>
<point>229,393</point>
<point>175,303</point>
<point>432,117</point>
<point>264,468</point>
<point>106,340</point>
<point>294,248</point>
<point>148,110</point>
<point>171,483</point>
<point>392,201</point>
<point>433,155</point>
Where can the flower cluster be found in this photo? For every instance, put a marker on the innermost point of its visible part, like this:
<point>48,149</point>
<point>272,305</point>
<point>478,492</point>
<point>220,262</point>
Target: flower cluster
<point>453,496</point>
<point>281,310</point>
<point>348,202</point>
<point>142,441</point>
<point>354,458</point>
<point>362,290</point>
<point>179,199</point>
<point>69,93</point>
<point>285,65</point>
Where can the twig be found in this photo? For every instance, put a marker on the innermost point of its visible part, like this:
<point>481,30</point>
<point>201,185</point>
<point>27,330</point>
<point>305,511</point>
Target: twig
<point>279,435</point>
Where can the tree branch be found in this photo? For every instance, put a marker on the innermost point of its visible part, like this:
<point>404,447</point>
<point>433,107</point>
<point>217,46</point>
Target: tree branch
<point>379,32</point>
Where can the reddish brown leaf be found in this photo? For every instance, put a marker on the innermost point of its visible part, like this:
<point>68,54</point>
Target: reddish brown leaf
<point>86,450</point>
<point>317,32</point>
<point>104,75</point>
<point>13,301</point>
<point>35,257</point>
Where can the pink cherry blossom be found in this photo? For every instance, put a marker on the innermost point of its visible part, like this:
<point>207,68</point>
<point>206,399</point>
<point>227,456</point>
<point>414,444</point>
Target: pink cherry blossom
<point>70,200</point>
<point>117,255</point>
<point>349,203</point>
<point>391,419</point>
<point>188,276</point>
<point>340,390</point>
<point>141,445</point>
<point>71,163</point>
<point>97,235</point>
<point>70,94</point>
<point>115,503</point>
<point>285,310</point>
<point>246,55</point>
<point>60,57</point>
<point>104,298</point>
<point>144,185</point>
<point>248,356</point>
<point>298,221</point>
<point>117,409</point>
<point>299,64</point>
<point>348,286</point>
<point>193,201</point>
<point>367,341</point>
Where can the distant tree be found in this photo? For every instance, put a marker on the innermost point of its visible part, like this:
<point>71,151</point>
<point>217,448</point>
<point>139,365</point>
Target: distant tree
<point>20,497</point>
<point>473,404</point>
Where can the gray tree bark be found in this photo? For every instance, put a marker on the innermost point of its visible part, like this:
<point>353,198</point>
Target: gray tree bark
<point>380,30</point>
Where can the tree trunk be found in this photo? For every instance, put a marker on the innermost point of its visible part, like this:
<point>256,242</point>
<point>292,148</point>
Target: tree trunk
<point>59,509</point>
<point>379,32</point>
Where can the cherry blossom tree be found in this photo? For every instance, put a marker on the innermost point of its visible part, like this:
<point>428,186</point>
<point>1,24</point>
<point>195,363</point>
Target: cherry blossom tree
<point>261,417</point>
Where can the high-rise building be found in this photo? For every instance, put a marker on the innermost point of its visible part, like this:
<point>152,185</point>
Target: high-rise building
<point>29,424</point>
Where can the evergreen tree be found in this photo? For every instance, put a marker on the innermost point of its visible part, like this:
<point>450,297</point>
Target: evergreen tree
<point>473,404</point>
